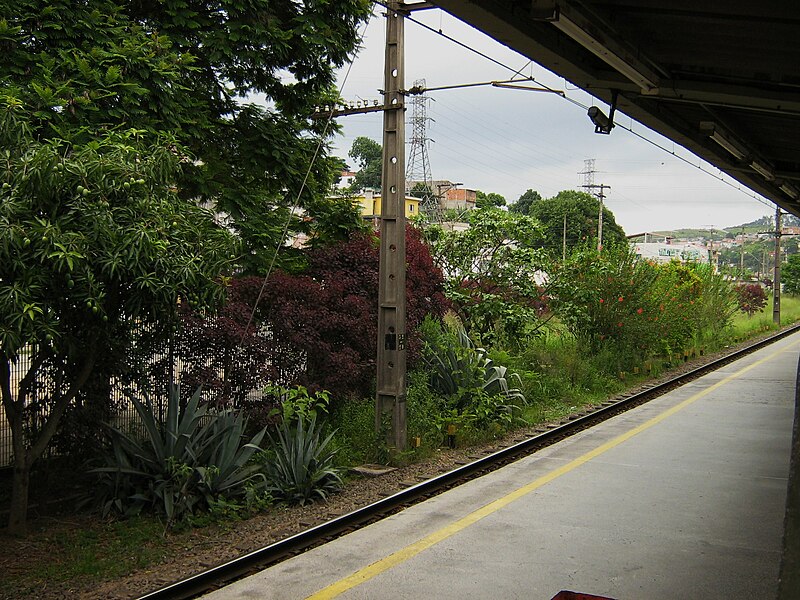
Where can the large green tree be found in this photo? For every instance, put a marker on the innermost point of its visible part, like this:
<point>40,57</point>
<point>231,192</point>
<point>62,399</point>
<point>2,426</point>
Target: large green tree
<point>368,155</point>
<point>525,201</point>
<point>118,121</point>
<point>491,272</point>
<point>580,212</point>
<point>93,245</point>
<point>191,68</point>
<point>484,200</point>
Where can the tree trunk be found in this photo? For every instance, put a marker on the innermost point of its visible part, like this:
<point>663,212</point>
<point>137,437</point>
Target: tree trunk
<point>24,457</point>
<point>18,514</point>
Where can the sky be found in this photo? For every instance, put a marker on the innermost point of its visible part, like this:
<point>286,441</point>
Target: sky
<point>508,141</point>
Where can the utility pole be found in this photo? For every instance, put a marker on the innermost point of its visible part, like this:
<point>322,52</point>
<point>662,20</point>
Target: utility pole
<point>600,196</point>
<point>390,400</point>
<point>741,256</point>
<point>589,184</point>
<point>776,279</point>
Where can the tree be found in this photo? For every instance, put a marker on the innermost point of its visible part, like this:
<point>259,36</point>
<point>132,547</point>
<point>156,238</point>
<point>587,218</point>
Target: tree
<point>317,328</point>
<point>580,211</point>
<point>491,272</point>
<point>524,202</point>
<point>751,298</point>
<point>190,68</point>
<point>790,275</point>
<point>490,199</point>
<point>368,155</point>
<point>93,244</point>
<point>101,83</point>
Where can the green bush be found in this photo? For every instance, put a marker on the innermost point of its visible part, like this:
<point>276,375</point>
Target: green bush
<point>296,403</point>
<point>475,390</point>
<point>354,439</point>
<point>184,463</point>
<point>614,298</point>
<point>300,466</point>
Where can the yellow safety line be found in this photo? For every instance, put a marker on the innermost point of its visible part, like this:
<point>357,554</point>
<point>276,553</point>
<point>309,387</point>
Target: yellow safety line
<point>412,550</point>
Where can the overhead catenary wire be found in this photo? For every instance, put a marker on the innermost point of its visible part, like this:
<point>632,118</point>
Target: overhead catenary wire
<point>737,187</point>
<point>300,191</point>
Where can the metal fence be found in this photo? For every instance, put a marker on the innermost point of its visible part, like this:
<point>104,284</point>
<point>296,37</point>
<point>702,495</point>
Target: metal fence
<point>149,369</point>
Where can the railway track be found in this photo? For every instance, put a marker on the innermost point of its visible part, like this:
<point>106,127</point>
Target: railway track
<point>258,560</point>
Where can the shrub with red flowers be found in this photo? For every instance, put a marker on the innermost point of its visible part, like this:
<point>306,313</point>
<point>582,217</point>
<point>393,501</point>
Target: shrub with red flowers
<point>614,297</point>
<point>606,298</point>
<point>752,298</point>
<point>317,328</point>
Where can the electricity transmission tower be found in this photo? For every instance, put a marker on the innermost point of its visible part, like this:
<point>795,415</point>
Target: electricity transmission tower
<point>588,173</point>
<point>418,169</point>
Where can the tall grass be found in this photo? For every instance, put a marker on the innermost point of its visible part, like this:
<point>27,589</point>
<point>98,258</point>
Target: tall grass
<point>745,326</point>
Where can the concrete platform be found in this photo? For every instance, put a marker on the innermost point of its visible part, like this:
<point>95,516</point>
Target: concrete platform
<point>683,498</point>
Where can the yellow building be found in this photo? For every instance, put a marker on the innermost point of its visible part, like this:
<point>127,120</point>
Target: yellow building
<point>371,205</point>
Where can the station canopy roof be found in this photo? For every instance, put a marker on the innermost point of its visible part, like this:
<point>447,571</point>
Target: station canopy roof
<point>719,77</point>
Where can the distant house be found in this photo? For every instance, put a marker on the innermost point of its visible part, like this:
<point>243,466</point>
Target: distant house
<point>370,204</point>
<point>449,194</point>
<point>345,180</point>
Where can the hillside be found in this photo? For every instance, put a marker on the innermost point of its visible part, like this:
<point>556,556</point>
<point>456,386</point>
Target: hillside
<point>763,224</point>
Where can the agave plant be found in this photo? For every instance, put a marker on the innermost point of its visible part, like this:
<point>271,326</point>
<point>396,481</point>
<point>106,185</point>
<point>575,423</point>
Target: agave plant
<point>182,463</point>
<point>302,466</point>
<point>460,370</point>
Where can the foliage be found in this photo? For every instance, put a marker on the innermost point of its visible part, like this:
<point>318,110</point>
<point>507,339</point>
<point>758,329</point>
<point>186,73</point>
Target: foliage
<point>790,275</point>
<point>300,467</point>
<point>355,439</point>
<point>186,461</point>
<point>333,221</point>
<point>580,211</point>
<point>614,297</point>
<point>297,404</point>
<point>222,351</point>
<point>525,202</point>
<point>492,270</point>
<point>368,155</point>
<point>608,297</point>
<point>93,245</point>
<point>466,376</point>
<point>751,297</point>
<point>484,200</point>
<point>190,69</point>
<point>323,323</point>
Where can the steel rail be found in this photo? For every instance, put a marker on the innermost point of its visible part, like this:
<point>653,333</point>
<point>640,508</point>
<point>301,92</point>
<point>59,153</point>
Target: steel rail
<point>226,573</point>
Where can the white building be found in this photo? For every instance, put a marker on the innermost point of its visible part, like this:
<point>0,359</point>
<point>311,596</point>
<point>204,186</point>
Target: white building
<point>663,252</point>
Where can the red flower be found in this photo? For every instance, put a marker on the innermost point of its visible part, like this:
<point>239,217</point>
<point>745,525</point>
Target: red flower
<point>619,324</point>
<point>621,299</point>
<point>601,300</point>
<point>639,311</point>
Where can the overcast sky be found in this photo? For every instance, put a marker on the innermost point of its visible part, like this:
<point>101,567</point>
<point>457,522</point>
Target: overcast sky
<point>508,141</point>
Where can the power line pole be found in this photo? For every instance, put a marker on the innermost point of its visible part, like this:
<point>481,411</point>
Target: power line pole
<point>589,184</point>
<point>390,397</point>
<point>741,256</point>
<point>776,279</point>
<point>600,196</point>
